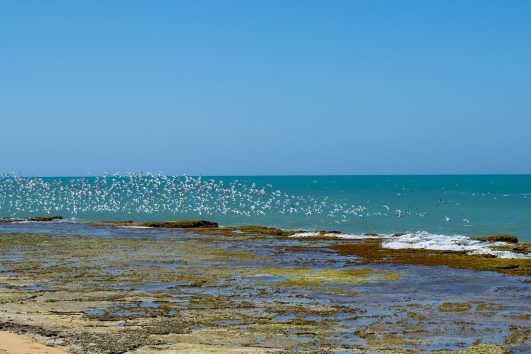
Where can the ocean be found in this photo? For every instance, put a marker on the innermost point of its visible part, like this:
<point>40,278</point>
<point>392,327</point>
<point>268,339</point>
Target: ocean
<point>448,205</point>
<point>209,289</point>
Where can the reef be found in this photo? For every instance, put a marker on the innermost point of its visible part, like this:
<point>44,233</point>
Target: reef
<point>373,252</point>
<point>366,250</point>
<point>180,224</point>
<point>497,238</point>
<point>38,218</point>
<point>247,289</point>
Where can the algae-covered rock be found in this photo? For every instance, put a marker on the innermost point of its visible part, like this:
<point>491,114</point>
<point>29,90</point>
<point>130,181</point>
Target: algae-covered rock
<point>373,252</point>
<point>454,307</point>
<point>497,238</point>
<point>483,348</point>
<point>223,292</point>
<point>46,218</point>
<point>257,230</point>
<point>36,218</point>
<point>179,224</point>
<point>303,277</point>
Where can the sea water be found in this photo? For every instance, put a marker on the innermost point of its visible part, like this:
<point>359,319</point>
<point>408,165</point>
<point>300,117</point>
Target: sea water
<point>421,205</point>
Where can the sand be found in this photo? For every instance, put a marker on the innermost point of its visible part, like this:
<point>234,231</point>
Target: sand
<point>15,344</point>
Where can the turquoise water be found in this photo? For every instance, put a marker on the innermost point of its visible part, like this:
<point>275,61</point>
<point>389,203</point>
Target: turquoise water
<point>465,205</point>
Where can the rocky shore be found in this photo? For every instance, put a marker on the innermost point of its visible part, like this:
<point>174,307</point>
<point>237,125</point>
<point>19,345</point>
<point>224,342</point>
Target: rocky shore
<point>125,287</point>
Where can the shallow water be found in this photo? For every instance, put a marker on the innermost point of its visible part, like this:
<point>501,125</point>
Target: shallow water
<point>448,205</point>
<point>245,291</point>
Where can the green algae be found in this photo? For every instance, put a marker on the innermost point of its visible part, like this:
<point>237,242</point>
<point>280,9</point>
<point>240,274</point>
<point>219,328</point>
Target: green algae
<point>175,224</point>
<point>518,336</point>
<point>317,277</point>
<point>484,348</point>
<point>198,348</point>
<point>46,218</point>
<point>380,340</point>
<point>454,307</point>
<point>37,218</point>
<point>373,252</point>
<point>497,238</point>
<point>482,306</point>
<point>180,224</point>
<point>260,230</point>
<point>416,316</point>
<point>217,294</point>
<point>522,248</point>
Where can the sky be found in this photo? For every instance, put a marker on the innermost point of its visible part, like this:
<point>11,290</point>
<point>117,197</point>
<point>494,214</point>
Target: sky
<point>265,87</point>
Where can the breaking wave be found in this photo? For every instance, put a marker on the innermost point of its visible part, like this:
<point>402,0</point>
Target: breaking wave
<point>428,241</point>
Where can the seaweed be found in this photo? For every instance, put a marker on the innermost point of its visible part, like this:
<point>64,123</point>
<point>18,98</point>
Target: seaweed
<point>223,292</point>
<point>454,307</point>
<point>373,252</point>
<point>179,224</point>
<point>497,238</point>
<point>36,218</point>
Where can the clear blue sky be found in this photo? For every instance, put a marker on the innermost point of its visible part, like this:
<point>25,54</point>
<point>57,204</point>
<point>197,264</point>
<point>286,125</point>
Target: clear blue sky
<point>265,87</point>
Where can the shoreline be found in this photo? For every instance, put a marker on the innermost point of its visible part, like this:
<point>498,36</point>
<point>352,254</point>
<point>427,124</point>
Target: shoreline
<point>371,247</point>
<point>13,343</point>
<point>257,290</point>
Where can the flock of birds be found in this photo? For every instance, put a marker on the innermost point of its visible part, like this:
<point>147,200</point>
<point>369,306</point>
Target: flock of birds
<point>138,193</point>
<point>149,194</point>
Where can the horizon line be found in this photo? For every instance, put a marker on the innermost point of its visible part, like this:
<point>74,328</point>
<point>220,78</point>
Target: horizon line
<point>273,175</point>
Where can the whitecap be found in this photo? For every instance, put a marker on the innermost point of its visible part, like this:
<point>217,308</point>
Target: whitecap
<point>458,243</point>
<point>335,235</point>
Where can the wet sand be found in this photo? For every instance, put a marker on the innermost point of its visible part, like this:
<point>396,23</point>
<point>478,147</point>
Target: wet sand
<point>11,343</point>
<point>102,289</point>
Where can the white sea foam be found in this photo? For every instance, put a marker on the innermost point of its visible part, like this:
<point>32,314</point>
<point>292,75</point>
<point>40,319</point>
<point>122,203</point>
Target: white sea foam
<point>426,240</point>
<point>335,235</point>
<point>306,234</point>
<point>135,227</point>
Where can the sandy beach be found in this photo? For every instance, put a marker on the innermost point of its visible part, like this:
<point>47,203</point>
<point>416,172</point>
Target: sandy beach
<point>11,343</point>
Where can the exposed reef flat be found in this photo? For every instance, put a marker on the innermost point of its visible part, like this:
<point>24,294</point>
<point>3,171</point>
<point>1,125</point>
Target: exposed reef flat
<point>373,252</point>
<point>37,218</point>
<point>107,288</point>
<point>369,246</point>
